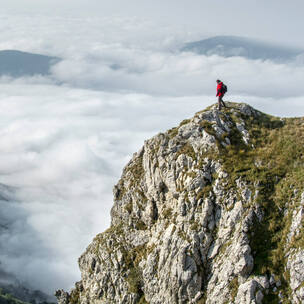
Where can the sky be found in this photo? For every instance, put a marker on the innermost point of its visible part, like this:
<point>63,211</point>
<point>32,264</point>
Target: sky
<point>65,138</point>
<point>272,20</point>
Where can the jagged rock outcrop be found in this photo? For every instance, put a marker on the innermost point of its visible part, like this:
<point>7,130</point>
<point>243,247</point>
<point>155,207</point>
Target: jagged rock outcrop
<point>208,212</point>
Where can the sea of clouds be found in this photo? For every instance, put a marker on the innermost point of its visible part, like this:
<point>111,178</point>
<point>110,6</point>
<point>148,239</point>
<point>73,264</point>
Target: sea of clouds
<point>64,139</point>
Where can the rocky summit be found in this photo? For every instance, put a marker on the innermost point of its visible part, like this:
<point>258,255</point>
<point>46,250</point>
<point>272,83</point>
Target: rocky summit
<point>208,212</point>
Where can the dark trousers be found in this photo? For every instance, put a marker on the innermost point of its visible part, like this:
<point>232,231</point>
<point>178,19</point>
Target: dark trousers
<point>221,102</point>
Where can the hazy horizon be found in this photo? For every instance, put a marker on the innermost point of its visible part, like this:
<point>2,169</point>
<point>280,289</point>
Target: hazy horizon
<point>65,137</point>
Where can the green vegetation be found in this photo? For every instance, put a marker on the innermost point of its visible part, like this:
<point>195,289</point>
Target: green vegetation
<point>139,198</point>
<point>134,276</point>
<point>203,111</point>
<point>100,241</point>
<point>131,256</point>
<point>203,299</point>
<point>128,207</point>
<point>134,280</point>
<point>272,162</point>
<point>195,226</point>
<point>183,235</point>
<point>167,213</point>
<point>121,190</point>
<point>272,298</point>
<point>6,298</point>
<point>74,296</point>
<point>9,299</point>
<point>186,149</point>
<point>233,286</point>
<point>208,127</point>
<point>224,247</point>
<point>184,122</point>
<point>142,300</point>
<point>204,193</point>
<point>137,170</point>
<point>172,132</point>
<point>140,225</point>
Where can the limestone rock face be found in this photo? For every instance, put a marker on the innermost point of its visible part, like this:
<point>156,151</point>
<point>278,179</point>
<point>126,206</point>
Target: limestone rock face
<point>203,213</point>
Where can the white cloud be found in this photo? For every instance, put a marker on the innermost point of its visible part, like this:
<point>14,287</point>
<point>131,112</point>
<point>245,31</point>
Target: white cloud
<point>234,17</point>
<point>63,147</point>
<point>179,74</point>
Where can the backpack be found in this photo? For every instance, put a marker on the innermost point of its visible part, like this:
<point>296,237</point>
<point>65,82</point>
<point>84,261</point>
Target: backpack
<point>224,89</point>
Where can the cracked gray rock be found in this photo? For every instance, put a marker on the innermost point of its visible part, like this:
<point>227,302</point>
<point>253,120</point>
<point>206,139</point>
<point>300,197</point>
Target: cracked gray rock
<point>178,234</point>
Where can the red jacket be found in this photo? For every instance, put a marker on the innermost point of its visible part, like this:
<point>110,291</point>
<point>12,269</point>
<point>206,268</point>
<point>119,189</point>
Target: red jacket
<point>219,89</point>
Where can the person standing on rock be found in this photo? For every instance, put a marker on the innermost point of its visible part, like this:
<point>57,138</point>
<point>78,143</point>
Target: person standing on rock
<point>220,92</point>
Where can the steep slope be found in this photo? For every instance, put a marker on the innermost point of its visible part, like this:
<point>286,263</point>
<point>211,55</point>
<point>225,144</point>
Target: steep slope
<point>20,294</point>
<point>9,299</point>
<point>208,212</point>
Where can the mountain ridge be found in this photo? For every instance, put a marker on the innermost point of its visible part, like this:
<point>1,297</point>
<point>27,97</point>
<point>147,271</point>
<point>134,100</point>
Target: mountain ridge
<point>232,46</point>
<point>16,63</point>
<point>208,212</point>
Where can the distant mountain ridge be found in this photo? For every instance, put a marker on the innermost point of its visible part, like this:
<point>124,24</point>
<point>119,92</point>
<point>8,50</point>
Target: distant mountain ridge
<point>17,64</point>
<point>23,296</point>
<point>231,46</point>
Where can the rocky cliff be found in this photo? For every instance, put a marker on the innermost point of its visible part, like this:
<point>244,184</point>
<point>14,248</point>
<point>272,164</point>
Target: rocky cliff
<point>208,212</point>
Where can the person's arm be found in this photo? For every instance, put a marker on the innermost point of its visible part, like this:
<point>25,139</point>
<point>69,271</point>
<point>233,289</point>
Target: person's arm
<point>218,90</point>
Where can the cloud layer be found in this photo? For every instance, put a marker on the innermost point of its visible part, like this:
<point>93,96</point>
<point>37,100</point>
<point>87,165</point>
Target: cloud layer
<point>134,55</point>
<point>62,150</point>
<point>178,74</point>
<point>268,20</point>
<point>66,138</point>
